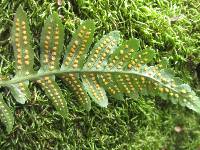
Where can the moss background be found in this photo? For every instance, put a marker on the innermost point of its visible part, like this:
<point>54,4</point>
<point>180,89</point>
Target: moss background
<point>172,28</point>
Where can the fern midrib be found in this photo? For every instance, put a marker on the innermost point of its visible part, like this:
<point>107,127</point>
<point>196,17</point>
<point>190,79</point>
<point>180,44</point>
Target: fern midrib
<point>33,77</point>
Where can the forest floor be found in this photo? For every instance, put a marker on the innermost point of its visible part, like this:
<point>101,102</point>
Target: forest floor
<point>171,28</point>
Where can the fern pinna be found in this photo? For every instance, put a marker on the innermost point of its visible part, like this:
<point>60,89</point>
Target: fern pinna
<point>112,65</point>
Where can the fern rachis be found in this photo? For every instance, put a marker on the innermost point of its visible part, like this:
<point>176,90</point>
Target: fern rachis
<point>112,66</point>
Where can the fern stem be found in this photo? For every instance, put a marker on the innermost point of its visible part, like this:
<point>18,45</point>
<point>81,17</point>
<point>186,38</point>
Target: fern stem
<point>37,76</point>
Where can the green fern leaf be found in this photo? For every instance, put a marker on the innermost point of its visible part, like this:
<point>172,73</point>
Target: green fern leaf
<point>143,57</point>
<point>78,47</point>
<point>21,41</point>
<point>74,58</point>
<point>51,45</point>
<point>24,55</point>
<point>97,60</point>
<point>123,54</point>
<point>53,91</point>
<point>6,115</point>
<point>95,91</point>
<point>75,85</point>
<point>20,91</point>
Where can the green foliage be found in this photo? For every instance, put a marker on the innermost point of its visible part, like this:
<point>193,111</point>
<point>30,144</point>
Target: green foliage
<point>117,66</point>
<point>6,115</point>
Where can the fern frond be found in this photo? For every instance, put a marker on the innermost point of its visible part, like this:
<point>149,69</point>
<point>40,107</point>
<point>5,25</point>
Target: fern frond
<point>113,66</point>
